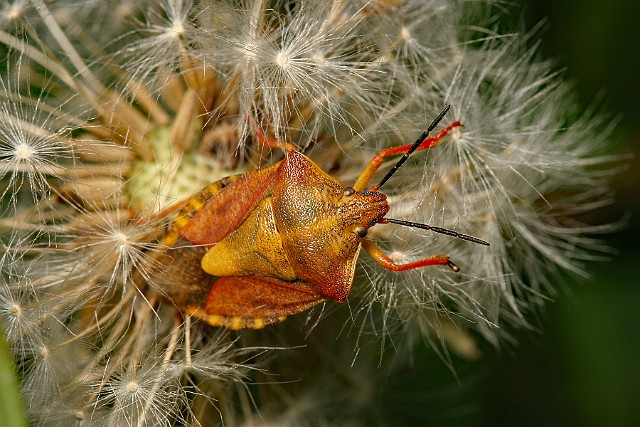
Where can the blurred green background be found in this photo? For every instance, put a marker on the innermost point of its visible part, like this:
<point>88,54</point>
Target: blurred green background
<point>583,368</point>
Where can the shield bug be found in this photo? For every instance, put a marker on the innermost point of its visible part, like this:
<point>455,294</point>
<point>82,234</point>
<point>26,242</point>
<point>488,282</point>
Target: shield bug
<point>278,240</point>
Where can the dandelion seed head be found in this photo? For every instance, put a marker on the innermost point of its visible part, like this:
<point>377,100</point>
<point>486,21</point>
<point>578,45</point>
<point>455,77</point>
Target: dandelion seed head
<point>20,315</point>
<point>397,256</point>
<point>405,34</point>
<point>177,30</point>
<point>121,238</point>
<point>47,370</point>
<point>43,352</point>
<point>17,326</point>
<point>31,152</point>
<point>146,105</point>
<point>456,135</point>
<point>15,310</point>
<point>70,408</point>
<point>132,387</point>
<point>143,393</point>
<point>14,11</point>
<point>24,152</point>
<point>155,55</point>
<point>282,59</point>
<point>318,58</point>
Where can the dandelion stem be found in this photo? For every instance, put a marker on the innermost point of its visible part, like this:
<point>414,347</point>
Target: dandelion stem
<point>187,341</point>
<point>170,349</point>
<point>140,94</point>
<point>38,56</point>
<point>115,335</point>
<point>142,319</point>
<point>101,320</point>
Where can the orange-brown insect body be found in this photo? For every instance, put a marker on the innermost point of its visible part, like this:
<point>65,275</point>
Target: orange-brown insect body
<point>277,240</point>
<point>303,223</point>
<point>297,226</point>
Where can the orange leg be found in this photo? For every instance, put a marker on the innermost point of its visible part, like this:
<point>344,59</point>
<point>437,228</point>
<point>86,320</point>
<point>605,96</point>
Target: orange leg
<point>382,259</point>
<point>267,141</point>
<point>374,164</point>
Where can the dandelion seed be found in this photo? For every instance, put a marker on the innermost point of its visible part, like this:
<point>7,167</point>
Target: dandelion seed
<point>133,395</point>
<point>397,257</point>
<point>12,12</point>
<point>167,37</point>
<point>405,34</point>
<point>282,59</point>
<point>20,315</point>
<point>118,243</point>
<point>29,151</point>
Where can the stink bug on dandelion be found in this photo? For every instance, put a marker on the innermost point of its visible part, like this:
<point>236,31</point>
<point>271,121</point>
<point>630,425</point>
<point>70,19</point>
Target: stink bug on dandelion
<point>276,241</point>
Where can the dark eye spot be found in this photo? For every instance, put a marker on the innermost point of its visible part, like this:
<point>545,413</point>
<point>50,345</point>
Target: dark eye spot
<point>348,191</point>
<point>361,232</point>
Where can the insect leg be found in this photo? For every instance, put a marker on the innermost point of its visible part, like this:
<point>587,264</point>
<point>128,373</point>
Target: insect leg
<point>267,141</point>
<point>374,164</point>
<point>382,259</point>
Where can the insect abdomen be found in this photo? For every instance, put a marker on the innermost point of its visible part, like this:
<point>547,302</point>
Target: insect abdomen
<point>194,205</point>
<point>233,322</point>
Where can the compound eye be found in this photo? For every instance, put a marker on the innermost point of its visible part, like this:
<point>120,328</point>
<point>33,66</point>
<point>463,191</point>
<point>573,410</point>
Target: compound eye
<point>348,191</point>
<point>361,232</point>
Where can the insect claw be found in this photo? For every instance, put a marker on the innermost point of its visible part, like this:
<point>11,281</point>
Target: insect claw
<point>453,266</point>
